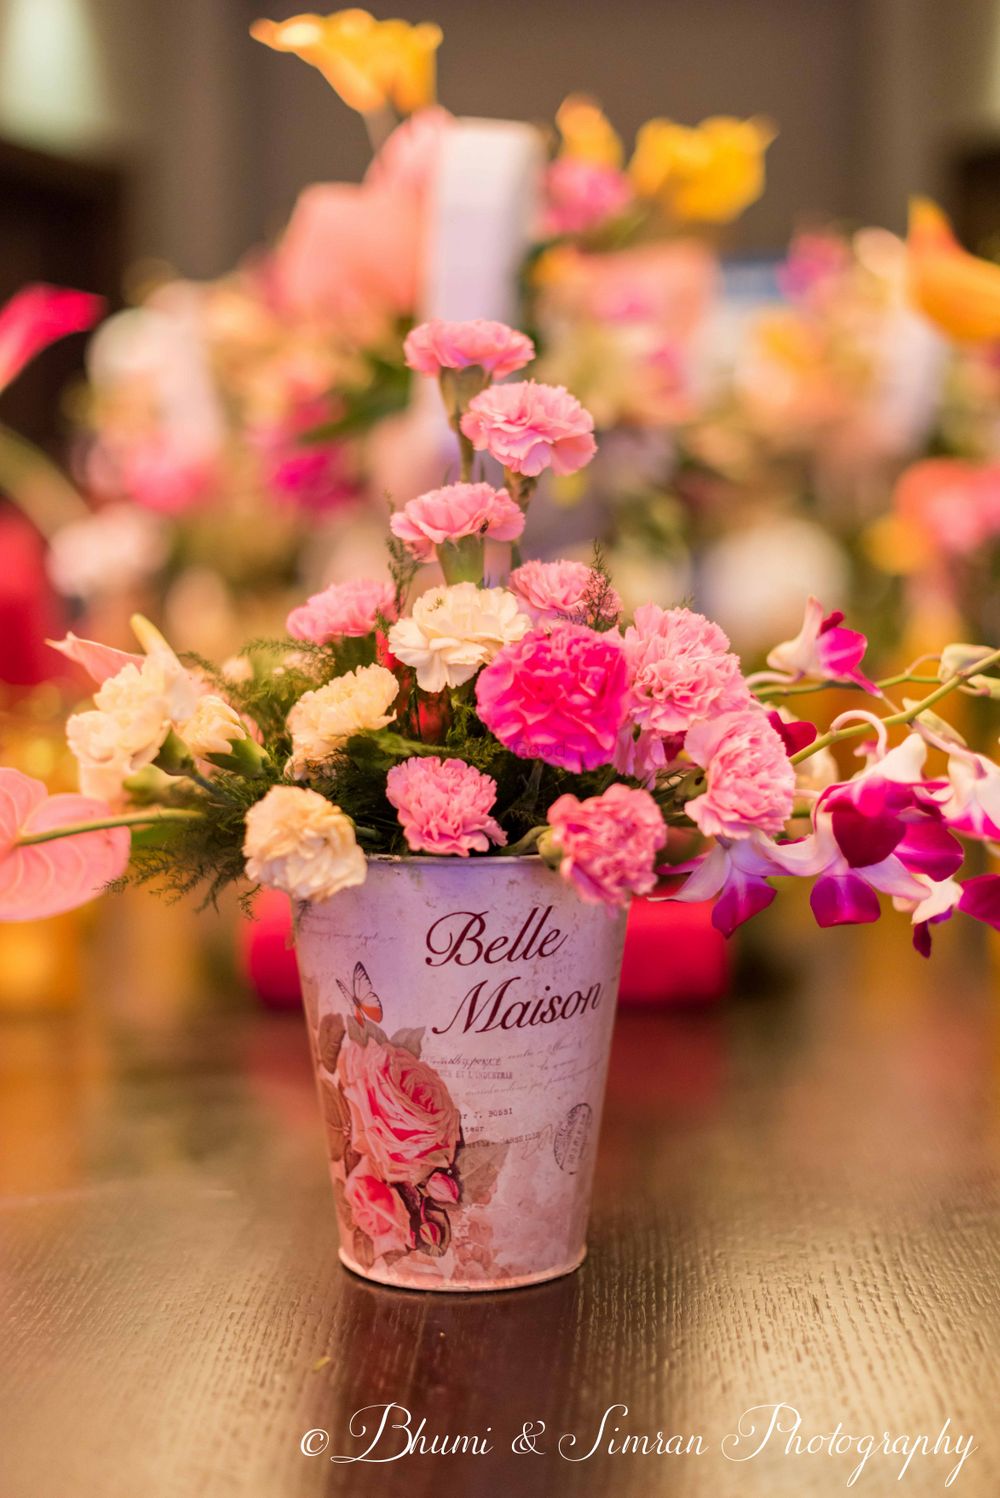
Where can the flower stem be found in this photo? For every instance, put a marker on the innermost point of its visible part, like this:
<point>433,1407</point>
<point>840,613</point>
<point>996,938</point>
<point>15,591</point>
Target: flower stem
<point>467,455</point>
<point>130,819</point>
<point>523,845</point>
<point>908,715</point>
<point>379,125</point>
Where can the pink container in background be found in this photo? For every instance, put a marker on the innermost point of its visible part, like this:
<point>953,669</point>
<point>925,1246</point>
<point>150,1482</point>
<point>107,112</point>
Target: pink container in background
<point>700,968</point>
<point>460,1017</point>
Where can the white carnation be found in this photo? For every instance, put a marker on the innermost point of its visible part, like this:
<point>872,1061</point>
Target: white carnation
<point>321,721</point>
<point>125,729</point>
<point>213,728</point>
<point>454,631</point>
<point>299,842</point>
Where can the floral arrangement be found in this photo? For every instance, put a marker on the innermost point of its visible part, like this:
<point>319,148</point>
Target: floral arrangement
<point>511,711</point>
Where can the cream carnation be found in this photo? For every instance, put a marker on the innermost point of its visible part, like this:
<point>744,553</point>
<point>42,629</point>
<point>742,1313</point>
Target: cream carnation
<point>323,720</point>
<point>454,631</point>
<point>299,842</point>
<point>213,728</point>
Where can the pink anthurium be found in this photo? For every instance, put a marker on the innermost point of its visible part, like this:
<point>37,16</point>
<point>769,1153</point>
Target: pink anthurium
<point>35,317</point>
<point>99,661</point>
<point>823,649</point>
<point>42,878</point>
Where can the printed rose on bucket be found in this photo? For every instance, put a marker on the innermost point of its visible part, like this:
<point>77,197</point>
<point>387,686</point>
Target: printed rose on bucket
<point>400,1166</point>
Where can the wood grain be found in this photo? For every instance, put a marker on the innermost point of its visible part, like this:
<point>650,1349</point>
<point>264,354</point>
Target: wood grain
<point>797,1199</point>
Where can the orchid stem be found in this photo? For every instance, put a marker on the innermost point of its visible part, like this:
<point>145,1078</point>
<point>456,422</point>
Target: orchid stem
<point>908,715</point>
<point>131,819</point>
<point>824,686</point>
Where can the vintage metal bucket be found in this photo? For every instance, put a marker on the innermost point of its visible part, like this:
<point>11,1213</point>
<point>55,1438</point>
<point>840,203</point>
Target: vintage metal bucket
<point>460,1016</point>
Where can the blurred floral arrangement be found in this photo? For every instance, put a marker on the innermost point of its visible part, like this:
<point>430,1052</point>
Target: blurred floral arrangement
<point>239,435</point>
<point>521,715</point>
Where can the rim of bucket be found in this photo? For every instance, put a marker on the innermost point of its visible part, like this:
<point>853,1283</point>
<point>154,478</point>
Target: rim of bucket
<point>453,860</point>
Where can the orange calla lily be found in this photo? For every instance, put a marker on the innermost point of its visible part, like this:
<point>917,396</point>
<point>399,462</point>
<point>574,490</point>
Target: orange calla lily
<point>956,290</point>
<point>706,174</point>
<point>370,63</point>
<point>587,133</point>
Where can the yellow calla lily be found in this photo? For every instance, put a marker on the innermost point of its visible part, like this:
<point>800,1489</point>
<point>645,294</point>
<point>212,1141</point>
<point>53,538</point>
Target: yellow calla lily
<point>708,173</point>
<point>369,63</point>
<point>587,133</point>
<point>956,290</point>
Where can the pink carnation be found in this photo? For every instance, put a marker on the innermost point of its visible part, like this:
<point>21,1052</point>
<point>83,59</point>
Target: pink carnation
<point>444,805</point>
<point>350,608</point>
<point>557,695</point>
<point>564,590</point>
<point>438,345</point>
<point>582,195</point>
<point>750,781</point>
<point>528,427</point>
<point>680,669</point>
<point>455,511</point>
<point>608,843</point>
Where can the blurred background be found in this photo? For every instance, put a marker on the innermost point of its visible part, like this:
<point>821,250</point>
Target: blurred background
<point>182,139</point>
<point>775,417</point>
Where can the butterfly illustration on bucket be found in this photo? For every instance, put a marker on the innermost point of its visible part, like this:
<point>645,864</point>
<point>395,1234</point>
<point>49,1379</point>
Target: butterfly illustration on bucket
<point>361,996</point>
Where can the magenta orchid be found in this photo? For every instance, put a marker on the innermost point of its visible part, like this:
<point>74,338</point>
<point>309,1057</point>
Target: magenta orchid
<point>969,800</point>
<point>738,873</point>
<point>823,649</point>
<point>978,897</point>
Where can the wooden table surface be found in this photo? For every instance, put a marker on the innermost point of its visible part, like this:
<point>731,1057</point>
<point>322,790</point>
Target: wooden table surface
<point>796,1201</point>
